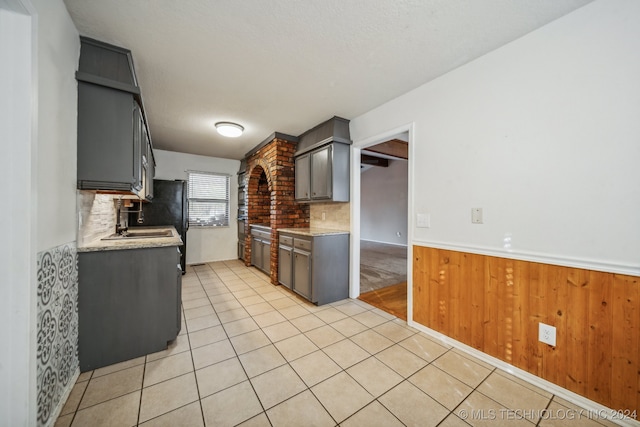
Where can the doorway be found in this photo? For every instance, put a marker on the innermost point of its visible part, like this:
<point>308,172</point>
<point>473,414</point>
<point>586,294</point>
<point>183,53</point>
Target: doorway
<point>383,223</point>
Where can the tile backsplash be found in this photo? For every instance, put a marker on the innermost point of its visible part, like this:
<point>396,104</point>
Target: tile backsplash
<point>57,328</point>
<point>337,216</point>
<point>96,216</point>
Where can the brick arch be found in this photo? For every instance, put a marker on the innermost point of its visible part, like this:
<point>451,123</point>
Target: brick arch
<point>276,160</point>
<point>259,198</point>
<point>256,172</point>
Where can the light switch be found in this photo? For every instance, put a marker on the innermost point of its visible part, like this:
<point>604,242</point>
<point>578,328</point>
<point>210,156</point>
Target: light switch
<point>476,215</point>
<point>424,220</point>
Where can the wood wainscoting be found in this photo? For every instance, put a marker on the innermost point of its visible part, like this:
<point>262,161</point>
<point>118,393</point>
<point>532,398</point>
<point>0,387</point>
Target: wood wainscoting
<point>495,305</point>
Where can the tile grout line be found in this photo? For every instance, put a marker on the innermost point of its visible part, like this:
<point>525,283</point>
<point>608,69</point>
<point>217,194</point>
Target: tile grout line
<point>287,363</point>
<point>322,349</point>
<point>233,277</point>
<point>193,362</point>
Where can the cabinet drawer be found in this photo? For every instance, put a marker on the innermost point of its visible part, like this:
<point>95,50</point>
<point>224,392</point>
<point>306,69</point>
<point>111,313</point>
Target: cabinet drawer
<point>261,234</point>
<point>302,244</point>
<point>286,240</point>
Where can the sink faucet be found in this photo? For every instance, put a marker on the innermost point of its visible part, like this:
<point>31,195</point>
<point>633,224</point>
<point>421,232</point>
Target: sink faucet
<point>119,228</point>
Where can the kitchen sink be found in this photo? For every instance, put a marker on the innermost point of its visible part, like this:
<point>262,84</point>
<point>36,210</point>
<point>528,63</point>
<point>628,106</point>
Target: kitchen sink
<point>140,234</point>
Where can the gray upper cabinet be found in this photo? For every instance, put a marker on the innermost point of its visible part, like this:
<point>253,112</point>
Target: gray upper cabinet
<point>149,166</point>
<point>114,147</point>
<point>322,175</point>
<point>321,179</point>
<point>303,177</point>
<point>322,163</point>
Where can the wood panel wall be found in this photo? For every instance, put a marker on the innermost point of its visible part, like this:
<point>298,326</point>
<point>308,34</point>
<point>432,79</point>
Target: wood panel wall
<point>495,304</point>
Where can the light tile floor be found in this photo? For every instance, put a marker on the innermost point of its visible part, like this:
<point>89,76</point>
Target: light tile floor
<point>254,354</point>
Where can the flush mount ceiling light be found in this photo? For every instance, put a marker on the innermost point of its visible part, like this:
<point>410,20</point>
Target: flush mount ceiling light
<point>232,130</point>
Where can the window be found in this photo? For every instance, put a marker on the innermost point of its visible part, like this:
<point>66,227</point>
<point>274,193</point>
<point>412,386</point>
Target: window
<point>208,199</point>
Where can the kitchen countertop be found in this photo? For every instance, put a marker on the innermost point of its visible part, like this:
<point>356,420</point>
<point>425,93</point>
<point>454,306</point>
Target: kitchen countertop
<point>134,243</point>
<point>265,227</point>
<point>312,231</point>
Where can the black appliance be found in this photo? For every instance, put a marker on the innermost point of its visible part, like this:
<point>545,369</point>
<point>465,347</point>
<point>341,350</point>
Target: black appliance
<point>169,206</point>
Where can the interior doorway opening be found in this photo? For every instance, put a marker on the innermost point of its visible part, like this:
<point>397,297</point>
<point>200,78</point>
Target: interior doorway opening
<point>383,224</point>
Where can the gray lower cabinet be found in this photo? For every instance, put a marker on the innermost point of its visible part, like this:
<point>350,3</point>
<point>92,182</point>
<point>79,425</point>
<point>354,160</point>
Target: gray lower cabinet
<point>241,238</point>
<point>302,274</point>
<point>285,263</point>
<point>261,249</point>
<point>241,249</point>
<point>266,257</point>
<point>315,267</point>
<point>256,252</point>
<point>128,304</point>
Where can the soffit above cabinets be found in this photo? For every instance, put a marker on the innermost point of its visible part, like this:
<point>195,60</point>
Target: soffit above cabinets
<point>285,65</point>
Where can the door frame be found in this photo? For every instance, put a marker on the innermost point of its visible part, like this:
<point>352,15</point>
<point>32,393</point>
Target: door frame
<point>354,253</point>
<point>19,136</point>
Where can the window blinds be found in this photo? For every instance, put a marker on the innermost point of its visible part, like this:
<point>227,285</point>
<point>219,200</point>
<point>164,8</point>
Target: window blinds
<point>208,199</point>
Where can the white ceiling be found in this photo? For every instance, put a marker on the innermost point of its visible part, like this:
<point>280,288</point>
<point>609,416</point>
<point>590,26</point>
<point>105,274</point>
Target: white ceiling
<point>288,65</point>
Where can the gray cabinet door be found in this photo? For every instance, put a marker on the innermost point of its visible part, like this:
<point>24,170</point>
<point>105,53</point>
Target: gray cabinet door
<point>148,165</point>
<point>105,132</point>
<point>138,141</point>
<point>241,249</point>
<point>302,273</point>
<point>127,303</point>
<point>266,257</point>
<point>302,177</point>
<point>179,293</point>
<point>285,260</point>
<point>256,253</point>
<point>321,174</point>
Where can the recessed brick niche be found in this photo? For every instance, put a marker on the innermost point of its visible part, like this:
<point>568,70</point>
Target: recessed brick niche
<point>271,193</point>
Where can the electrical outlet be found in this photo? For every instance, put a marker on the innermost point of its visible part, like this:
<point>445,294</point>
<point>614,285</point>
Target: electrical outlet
<point>547,334</point>
<point>324,215</point>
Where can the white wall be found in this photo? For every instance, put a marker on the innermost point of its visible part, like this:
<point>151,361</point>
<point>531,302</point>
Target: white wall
<point>543,134</point>
<point>39,51</point>
<point>383,203</point>
<point>17,253</point>
<point>204,244</point>
<point>58,53</point>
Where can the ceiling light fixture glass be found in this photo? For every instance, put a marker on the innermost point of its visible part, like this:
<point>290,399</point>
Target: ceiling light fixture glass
<point>232,130</point>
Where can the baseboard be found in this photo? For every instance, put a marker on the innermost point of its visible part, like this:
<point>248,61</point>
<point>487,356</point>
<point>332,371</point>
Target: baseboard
<point>385,243</point>
<point>63,401</point>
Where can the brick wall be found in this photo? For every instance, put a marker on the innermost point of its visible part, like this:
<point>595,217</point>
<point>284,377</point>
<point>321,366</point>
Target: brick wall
<point>272,201</point>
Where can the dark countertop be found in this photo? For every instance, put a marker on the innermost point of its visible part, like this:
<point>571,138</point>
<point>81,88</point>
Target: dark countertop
<point>134,243</point>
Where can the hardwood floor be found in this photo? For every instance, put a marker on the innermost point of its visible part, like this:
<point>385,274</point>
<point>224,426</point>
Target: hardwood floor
<point>383,277</point>
<point>392,299</point>
<point>381,265</point>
